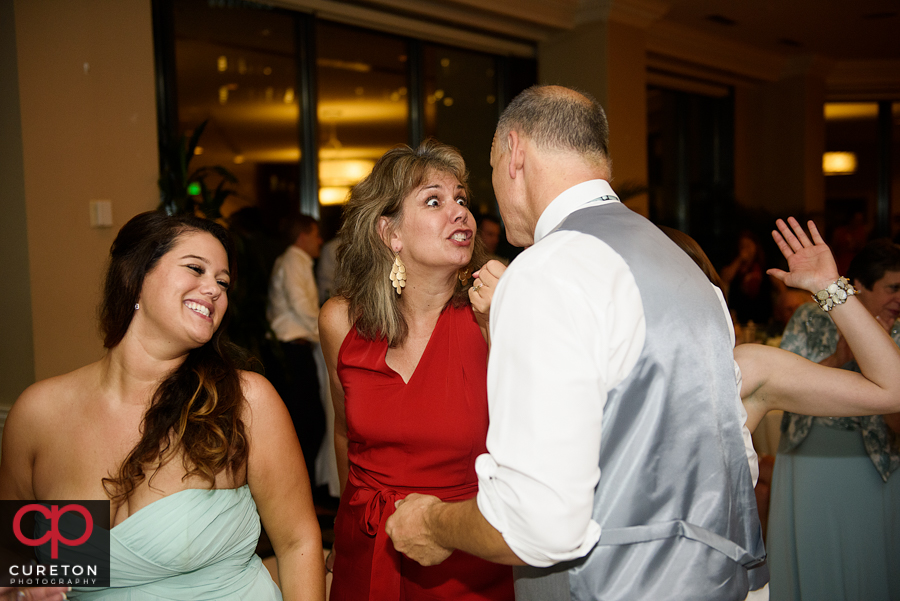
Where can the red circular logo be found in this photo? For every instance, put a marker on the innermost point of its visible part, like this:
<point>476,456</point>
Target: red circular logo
<point>53,514</point>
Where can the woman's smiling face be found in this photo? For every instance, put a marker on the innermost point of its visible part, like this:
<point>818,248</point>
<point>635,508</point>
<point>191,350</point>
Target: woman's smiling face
<point>184,297</point>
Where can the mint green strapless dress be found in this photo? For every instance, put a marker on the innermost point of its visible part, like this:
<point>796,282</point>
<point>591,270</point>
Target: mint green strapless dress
<point>195,544</point>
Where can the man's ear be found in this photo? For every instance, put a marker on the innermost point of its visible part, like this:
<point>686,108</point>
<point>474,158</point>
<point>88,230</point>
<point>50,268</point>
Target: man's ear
<point>388,236</point>
<point>516,153</point>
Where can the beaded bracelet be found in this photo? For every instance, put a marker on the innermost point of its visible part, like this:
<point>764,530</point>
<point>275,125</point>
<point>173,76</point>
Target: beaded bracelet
<point>835,294</point>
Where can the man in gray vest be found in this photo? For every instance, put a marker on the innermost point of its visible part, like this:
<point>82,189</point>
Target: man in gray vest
<point>616,467</point>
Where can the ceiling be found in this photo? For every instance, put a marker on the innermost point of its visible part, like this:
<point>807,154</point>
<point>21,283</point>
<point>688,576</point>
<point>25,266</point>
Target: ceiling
<point>836,29</point>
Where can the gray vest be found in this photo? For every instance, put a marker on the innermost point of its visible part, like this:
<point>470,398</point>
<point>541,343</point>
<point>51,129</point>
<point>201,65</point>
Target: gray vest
<point>675,500</point>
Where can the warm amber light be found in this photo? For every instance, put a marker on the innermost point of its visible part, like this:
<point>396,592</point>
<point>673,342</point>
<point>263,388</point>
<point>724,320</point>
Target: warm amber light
<point>839,163</point>
<point>841,111</point>
<point>343,172</point>
<point>333,195</point>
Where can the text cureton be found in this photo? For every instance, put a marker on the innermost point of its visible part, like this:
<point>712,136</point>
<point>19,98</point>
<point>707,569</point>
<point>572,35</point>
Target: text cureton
<point>52,570</point>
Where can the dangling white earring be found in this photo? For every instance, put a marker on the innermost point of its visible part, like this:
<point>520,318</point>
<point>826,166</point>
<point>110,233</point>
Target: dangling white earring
<point>137,306</point>
<point>398,274</point>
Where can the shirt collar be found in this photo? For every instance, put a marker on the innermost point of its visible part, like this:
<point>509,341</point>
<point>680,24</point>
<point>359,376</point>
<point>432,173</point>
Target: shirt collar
<point>591,192</point>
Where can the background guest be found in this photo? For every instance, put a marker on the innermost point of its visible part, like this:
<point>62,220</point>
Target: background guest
<point>489,230</point>
<point>293,313</point>
<point>745,283</point>
<point>833,527</point>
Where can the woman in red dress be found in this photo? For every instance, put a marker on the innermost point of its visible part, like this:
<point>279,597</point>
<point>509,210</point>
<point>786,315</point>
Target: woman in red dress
<point>407,362</point>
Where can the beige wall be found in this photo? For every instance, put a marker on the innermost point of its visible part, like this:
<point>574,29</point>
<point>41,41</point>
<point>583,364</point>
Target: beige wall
<point>88,122</point>
<point>16,341</point>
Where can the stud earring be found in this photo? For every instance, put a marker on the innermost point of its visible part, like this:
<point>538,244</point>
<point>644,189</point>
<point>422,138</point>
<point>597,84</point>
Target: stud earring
<point>398,274</point>
<point>137,306</point>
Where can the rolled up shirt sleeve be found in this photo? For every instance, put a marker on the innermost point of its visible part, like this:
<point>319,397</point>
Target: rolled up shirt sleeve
<point>567,325</point>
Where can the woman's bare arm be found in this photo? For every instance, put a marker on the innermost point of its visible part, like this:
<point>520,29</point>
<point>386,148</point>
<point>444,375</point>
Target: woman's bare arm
<point>280,487</point>
<point>334,325</point>
<point>778,379</point>
<point>21,435</point>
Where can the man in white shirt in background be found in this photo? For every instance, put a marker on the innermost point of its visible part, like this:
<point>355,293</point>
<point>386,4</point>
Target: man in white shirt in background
<point>293,314</point>
<point>616,467</point>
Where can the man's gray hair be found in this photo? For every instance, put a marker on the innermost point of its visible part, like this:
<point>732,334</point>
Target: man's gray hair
<point>556,118</point>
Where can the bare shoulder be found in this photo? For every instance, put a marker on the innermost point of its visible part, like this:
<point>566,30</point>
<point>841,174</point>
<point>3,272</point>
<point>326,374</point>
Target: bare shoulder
<point>56,396</point>
<point>46,414</point>
<point>744,353</point>
<point>334,325</point>
<point>258,391</point>
<point>334,317</point>
<point>765,368</point>
<point>751,359</point>
<point>263,407</point>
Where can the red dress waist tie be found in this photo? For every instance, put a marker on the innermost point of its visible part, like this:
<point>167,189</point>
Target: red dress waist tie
<point>375,504</point>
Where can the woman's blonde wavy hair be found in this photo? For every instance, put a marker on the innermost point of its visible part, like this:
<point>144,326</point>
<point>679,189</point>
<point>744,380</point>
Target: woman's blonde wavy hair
<point>364,259</point>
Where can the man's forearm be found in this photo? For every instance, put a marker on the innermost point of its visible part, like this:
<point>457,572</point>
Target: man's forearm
<point>461,526</point>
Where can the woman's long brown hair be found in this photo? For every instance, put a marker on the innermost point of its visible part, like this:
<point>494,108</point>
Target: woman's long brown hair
<point>197,409</point>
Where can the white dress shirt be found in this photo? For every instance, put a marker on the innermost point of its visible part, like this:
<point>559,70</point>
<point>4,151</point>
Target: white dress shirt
<point>749,449</point>
<point>293,310</point>
<point>567,326</point>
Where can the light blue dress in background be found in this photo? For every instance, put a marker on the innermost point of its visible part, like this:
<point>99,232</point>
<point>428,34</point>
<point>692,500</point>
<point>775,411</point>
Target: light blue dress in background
<point>195,544</point>
<point>834,514</point>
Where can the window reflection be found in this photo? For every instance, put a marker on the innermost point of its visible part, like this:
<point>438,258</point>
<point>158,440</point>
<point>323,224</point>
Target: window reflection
<point>461,110</point>
<point>236,69</point>
<point>363,103</point>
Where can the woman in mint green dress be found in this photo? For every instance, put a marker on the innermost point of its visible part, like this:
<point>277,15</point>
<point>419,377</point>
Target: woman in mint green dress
<point>192,452</point>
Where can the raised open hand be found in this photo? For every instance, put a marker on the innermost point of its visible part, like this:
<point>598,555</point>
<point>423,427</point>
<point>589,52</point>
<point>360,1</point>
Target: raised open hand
<point>810,262</point>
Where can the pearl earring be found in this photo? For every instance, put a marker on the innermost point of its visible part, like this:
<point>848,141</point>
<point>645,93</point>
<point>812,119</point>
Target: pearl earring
<point>137,306</point>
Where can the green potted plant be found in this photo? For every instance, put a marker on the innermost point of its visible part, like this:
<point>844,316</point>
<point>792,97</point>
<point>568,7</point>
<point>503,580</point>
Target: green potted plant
<point>185,191</point>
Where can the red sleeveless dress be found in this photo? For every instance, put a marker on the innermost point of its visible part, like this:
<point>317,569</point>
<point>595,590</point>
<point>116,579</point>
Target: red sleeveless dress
<point>421,436</point>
